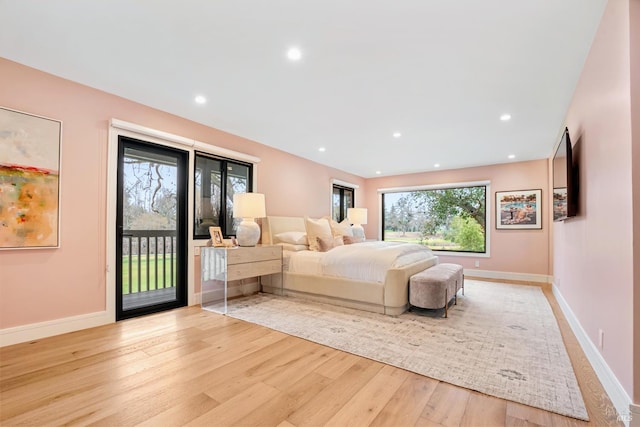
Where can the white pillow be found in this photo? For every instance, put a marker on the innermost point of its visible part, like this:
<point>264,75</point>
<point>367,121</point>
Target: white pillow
<point>316,228</point>
<point>341,229</point>
<point>292,247</point>
<point>292,237</point>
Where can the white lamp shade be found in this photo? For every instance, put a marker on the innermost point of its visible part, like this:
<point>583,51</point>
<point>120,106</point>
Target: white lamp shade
<point>357,216</point>
<point>248,205</point>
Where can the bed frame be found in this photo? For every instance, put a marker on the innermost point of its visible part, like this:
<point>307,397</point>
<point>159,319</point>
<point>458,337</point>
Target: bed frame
<point>390,297</point>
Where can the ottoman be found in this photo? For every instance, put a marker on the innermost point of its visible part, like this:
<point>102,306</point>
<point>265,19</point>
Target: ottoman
<point>434,287</point>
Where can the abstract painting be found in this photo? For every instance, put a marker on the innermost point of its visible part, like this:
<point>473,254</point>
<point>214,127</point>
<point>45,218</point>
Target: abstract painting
<point>519,209</point>
<point>29,180</point>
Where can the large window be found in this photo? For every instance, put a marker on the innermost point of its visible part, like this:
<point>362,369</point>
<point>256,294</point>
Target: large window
<point>450,219</point>
<point>342,200</point>
<point>216,181</point>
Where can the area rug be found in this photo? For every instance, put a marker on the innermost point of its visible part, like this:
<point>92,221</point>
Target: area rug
<point>500,339</point>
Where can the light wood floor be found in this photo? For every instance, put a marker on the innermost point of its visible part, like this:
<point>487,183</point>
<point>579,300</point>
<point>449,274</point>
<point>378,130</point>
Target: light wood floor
<point>192,367</point>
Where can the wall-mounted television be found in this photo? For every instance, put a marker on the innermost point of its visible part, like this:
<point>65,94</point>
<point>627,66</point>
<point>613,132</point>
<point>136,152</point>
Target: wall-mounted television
<point>565,180</point>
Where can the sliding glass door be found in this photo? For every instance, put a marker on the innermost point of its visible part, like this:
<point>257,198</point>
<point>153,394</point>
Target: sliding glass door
<point>151,228</point>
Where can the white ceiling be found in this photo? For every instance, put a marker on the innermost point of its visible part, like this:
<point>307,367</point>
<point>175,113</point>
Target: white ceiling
<point>441,72</point>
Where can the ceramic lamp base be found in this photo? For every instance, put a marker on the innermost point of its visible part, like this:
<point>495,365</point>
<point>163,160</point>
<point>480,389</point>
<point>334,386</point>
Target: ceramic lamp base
<point>248,233</point>
<point>358,230</point>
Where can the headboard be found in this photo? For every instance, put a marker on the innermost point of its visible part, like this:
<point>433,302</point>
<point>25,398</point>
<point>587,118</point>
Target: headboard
<point>273,225</point>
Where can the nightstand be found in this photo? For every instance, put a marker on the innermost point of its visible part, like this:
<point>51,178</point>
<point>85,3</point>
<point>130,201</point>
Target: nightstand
<point>223,265</point>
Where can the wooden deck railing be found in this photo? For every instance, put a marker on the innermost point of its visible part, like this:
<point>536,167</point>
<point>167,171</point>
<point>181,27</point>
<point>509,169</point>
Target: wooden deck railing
<point>149,260</point>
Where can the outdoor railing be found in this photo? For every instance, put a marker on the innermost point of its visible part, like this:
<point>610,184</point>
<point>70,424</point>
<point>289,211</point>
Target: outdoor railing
<point>148,260</point>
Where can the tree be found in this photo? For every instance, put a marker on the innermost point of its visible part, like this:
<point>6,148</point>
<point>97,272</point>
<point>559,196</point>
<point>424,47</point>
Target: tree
<point>442,205</point>
<point>391,219</point>
<point>468,234</point>
<point>405,214</point>
<point>149,195</point>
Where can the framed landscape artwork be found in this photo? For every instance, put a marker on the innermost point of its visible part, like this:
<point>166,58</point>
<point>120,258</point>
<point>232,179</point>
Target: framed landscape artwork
<point>519,209</point>
<point>29,181</point>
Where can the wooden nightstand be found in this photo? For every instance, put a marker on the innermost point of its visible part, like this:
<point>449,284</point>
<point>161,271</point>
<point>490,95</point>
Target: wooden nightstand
<point>222,265</point>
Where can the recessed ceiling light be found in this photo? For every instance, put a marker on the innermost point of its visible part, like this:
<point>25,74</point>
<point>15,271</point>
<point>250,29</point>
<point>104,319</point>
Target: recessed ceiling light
<point>322,149</point>
<point>378,172</point>
<point>505,117</point>
<point>437,165</point>
<point>200,99</point>
<point>294,54</point>
<point>397,134</point>
<point>511,156</point>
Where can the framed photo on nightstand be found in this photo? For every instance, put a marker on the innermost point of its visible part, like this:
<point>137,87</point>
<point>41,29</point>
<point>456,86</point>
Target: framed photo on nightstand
<point>216,236</point>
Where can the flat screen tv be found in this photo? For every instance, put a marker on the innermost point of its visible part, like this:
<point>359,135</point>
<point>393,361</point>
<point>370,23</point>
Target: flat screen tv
<point>565,181</point>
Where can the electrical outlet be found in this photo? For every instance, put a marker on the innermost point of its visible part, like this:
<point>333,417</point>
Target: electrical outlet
<point>601,339</point>
<point>477,263</point>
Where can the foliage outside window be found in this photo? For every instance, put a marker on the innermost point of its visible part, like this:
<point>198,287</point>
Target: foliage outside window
<point>444,219</point>
<point>150,191</point>
<point>343,199</point>
<point>216,181</point>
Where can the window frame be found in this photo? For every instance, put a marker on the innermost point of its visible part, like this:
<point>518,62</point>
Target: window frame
<point>486,184</point>
<point>224,162</point>
<point>342,209</point>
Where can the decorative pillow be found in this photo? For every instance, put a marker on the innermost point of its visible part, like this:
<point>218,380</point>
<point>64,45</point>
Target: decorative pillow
<point>316,228</point>
<point>341,228</point>
<point>327,243</point>
<point>293,248</point>
<point>292,237</point>
<point>348,240</point>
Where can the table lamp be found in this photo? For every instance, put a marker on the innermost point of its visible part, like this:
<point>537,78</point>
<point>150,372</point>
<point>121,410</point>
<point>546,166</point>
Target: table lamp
<point>248,206</point>
<point>357,216</point>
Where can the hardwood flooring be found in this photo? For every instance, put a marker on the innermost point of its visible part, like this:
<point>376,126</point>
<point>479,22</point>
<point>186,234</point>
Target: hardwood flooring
<point>192,367</point>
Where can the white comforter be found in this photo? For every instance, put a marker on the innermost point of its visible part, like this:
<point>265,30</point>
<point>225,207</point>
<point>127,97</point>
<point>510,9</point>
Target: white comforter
<point>368,261</point>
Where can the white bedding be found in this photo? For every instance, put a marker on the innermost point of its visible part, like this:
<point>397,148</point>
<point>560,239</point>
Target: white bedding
<point>368,261</point>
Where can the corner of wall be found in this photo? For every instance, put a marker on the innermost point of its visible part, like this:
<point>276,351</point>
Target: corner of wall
<point>612,386</point>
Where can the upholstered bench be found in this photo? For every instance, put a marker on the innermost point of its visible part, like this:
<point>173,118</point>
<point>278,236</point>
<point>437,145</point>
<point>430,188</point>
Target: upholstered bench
<point>434,287</point>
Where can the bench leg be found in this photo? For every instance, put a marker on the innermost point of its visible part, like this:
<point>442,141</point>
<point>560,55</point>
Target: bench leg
<point>446,304</point>
<point>455,295</point>
<point>463,284</point>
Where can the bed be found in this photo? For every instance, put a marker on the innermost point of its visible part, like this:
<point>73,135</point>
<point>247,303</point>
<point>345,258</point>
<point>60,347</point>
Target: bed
<point>383,288</point>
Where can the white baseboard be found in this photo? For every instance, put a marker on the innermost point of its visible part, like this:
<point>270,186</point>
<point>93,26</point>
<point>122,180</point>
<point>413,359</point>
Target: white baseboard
<point>619,397</point>
<point>197,299</point>
<point>35,331</point>
<point>506,275</point>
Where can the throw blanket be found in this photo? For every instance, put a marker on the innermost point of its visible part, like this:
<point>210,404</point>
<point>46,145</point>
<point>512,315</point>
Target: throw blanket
<point>370,261</point>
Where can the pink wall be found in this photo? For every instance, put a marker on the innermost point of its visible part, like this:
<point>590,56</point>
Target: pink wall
<point>634,13</point>
<point>520,251</point>
<point>593,253</point>
<point>41,285</point>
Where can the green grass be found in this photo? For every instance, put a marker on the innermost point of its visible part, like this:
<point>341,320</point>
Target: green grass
<point>142,282</point>
<point>434,243</point>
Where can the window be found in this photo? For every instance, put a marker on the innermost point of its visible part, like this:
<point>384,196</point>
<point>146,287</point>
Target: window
<point>216,181</point>
<point>342,200</point>
<point>445,218</point>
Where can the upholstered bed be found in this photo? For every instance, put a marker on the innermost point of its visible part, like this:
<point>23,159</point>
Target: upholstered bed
<point>381,287</point>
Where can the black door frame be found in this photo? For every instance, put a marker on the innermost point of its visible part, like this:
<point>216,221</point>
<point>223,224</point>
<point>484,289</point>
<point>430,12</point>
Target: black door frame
<point>182,160</point>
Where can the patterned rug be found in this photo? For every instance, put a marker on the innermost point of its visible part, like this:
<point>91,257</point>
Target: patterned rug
<point>501,340</point>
